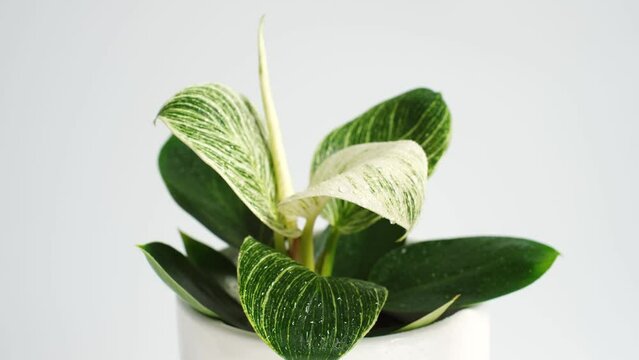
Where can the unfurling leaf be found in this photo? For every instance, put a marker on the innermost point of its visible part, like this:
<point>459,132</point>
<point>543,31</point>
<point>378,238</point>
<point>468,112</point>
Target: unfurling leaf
<point>422,276</point>
<point>386,178</point>
<point>420,115</point>
<point>300,314</point>
<point>280,164</point>
<point>224,130</point>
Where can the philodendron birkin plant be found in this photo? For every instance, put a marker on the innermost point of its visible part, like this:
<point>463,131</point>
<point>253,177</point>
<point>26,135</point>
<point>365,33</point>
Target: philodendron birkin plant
<point>308,295</point>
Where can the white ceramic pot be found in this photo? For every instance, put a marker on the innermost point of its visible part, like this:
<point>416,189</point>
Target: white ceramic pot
<point>463,336</point>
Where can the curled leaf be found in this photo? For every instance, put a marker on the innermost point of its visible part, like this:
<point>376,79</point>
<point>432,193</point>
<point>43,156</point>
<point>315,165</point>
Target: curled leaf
<point>386,178</point>
<point>420,115</point>
<point>224,130</point>
<point>300,314</point>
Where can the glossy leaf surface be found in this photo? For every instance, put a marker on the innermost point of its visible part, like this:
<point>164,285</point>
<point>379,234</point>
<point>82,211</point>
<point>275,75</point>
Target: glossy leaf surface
<point>422,276</point>
<point>191,285</point>
<point>224,130</point>
<point>300,314</point>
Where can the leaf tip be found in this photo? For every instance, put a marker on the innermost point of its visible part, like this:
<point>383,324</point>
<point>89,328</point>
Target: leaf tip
<point>557,253</point>
<point>260,38</point>
<point>186,239</point>
<point>183,235</point>
<point>248,242</point>
<point>143,247</point>
<point>549,260</point>
<point>145,250</point>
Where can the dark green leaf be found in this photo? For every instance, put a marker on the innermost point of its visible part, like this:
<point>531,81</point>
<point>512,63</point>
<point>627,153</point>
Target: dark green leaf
<point>300,314</point>
<point>199,190</point>
<point>192,286</point>
<point>422,276</point>
<point>357,253</point>
<point>231,253</point>
<point>388,323</point>
<point>213,264</point>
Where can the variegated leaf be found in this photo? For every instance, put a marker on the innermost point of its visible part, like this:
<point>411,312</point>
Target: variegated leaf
<point>300,314</point>
<point>224,130</point>
<point>420,115</point>
<point>386,178</point>
<point>421,276</point>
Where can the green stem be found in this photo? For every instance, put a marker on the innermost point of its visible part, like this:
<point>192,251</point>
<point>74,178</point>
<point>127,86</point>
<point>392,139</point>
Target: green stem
<point>329,252</point>
<point>307,246</point>
<point>280,244</point>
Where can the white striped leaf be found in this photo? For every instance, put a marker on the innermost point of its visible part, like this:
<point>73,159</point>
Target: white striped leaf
<point>300,314</point>
<point>224,130</point>
<point>420,115</point>
<point>386,178</point>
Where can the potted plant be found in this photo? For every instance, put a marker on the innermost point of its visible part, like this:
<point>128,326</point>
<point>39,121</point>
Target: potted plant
<point>314,295</point>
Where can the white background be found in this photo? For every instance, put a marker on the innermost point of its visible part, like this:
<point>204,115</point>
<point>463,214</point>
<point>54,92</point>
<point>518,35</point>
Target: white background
<point>544,102</point>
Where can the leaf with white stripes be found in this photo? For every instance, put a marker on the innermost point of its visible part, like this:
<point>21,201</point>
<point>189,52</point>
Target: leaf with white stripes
<point>386,178</point>
<point>224,130</point>
<point>300,314</point>
<point>420,115</point>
